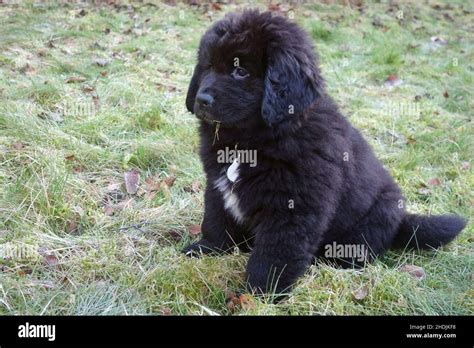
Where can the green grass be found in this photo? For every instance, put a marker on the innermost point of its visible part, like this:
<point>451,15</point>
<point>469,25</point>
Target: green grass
<point>64,145</point>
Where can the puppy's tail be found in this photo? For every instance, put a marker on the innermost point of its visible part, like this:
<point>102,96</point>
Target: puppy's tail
<point>427,232</point>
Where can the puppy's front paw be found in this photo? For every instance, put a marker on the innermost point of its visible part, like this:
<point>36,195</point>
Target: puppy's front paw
<point>267,276</point>
<point>266,289</point>
<point>201,247</point>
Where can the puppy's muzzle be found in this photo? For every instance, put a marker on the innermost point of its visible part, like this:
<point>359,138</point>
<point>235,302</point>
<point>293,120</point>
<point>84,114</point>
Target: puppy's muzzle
<point>204,100</point>
<point>203,107</point>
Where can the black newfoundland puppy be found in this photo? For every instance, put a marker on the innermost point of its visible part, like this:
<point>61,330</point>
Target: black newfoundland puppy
<point>314,185</point>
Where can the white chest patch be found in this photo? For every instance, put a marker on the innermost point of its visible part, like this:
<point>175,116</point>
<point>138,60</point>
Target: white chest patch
<point>233,171</point>
<point>224,185</point>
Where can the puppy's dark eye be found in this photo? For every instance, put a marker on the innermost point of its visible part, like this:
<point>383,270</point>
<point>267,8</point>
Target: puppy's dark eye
<point>239,73</point>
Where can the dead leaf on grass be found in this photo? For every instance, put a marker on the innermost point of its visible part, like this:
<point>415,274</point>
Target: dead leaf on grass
<point>393,81</point>
<point>434,182</point>
<point>361,293</point>
<point>415,271</point>
<point>194,229</point>
<point>109,210</point>
<point>246,302</point>
<point>51,260</point>
<point>232,301</point>
<point>18,145</point>
<point>132,180</point>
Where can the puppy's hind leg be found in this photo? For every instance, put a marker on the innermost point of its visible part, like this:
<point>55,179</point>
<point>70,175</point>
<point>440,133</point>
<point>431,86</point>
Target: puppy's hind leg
<point>370,236</point>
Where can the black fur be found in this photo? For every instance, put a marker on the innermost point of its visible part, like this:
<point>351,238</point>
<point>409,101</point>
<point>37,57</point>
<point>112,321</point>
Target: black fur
<point>308,154</point>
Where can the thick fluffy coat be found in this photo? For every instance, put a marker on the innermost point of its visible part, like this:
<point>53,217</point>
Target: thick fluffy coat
<point>316,182</point>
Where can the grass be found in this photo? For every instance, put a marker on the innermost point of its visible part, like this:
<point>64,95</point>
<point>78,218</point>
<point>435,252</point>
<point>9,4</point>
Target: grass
<point>65,146</point>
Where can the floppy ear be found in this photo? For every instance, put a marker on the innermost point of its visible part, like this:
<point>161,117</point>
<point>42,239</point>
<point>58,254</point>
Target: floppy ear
<point>291,85</point>
<point>193,88</point>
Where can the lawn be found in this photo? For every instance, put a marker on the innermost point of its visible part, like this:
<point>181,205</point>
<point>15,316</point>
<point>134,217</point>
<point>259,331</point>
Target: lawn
<point>101,183</point>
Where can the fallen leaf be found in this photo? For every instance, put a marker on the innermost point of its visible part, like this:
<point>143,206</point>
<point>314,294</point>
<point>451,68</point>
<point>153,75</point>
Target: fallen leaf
<point>232,301</point>
<point>166,311</point>
<point>246,302</point>
<point>75,79</point>
<point>231,306</point>
<point>51,260</point>
<point>194,229</point>
<point>215,6</point>
<point>169,181</point>
<point>152,184</point>
<point>415,271</point>
<point>108,210</point>
<point>132,179</point>
<point>361,293</point>
<point>393,81</point>
<point>434,182</point>
<point>175,235</point>
<point>18,145</point>
<point>88,89</point>
<point>392,78</point>
<point>23,271</point>
<point>73,224</point>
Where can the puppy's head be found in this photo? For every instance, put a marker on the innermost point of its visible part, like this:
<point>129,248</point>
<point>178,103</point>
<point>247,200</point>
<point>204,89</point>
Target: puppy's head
<point>253,68</point>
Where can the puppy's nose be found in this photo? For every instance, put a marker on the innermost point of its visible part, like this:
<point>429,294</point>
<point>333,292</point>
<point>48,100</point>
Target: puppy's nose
<point>205,99</point>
